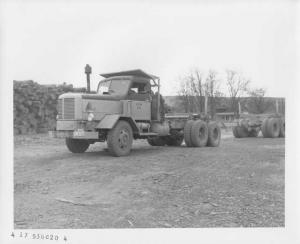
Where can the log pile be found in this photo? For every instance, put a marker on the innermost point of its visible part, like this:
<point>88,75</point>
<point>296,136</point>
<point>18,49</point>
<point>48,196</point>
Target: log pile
<point>35,105</point>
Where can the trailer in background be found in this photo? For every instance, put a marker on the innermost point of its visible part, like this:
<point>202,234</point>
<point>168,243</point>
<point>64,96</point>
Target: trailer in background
<point>249,125</point>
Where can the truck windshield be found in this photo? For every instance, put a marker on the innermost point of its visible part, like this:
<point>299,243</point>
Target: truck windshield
<point>113,87</point>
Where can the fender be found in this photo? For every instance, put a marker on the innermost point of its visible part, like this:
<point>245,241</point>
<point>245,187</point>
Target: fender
<point>110,120</point>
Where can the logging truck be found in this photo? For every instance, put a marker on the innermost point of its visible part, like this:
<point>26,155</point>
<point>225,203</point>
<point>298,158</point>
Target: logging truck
<point>270,125</point>
<point>126,106</point>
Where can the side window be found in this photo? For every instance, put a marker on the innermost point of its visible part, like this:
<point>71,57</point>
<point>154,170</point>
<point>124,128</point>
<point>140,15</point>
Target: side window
<point>140,91</point>
<point>140,88</point>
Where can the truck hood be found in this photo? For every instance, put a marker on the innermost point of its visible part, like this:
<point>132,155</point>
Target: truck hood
<point>92,96</point>
<point>71,95</point>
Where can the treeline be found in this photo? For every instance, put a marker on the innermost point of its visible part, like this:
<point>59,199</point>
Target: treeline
<point>35,105</point>
<point>197,84</point>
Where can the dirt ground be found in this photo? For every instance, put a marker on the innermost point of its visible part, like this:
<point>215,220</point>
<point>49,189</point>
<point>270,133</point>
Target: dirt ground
<point>239,184</point>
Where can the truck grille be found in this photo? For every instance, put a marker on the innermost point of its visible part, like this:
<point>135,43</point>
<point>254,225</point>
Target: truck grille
<point>69,108</point>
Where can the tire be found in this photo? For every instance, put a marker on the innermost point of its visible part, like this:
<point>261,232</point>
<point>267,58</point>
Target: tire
<point>187,133</point>
<point>77,145</point>
<point>240,132</point>
<point>174,141</point>
<point>273,127</point>
<point>151,141</point>
<point>214,134</point>
<point>199,134</point>
<point>253,133</point>
<point>235,132</point>
<point>264,128</point>
<point>282,128</point>
<point>156,141</point>
<point>119,139</point>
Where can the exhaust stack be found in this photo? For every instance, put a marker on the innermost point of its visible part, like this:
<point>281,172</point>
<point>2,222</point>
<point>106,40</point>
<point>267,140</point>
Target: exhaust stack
<point>88,71</point>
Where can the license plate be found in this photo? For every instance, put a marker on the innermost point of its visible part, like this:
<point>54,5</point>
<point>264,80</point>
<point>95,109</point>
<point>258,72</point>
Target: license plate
<point>78,133</point>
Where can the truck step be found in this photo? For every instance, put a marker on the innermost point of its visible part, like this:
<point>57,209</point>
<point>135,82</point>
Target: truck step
<point>149,134</point>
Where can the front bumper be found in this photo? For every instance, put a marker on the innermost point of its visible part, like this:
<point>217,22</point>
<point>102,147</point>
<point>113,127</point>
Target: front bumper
<point>77,134</point>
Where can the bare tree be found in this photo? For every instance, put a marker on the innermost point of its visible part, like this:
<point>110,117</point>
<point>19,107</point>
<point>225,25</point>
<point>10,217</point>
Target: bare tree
<point>211,87</point>
<point>186,93</point>
<point>198,88</point>
<point>237,85</point>
<point>257,103</point>
<point>193,88</point>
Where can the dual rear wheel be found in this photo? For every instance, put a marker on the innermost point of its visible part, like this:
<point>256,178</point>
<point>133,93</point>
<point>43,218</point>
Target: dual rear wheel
<point>196,133</point>
<point>199,134</point>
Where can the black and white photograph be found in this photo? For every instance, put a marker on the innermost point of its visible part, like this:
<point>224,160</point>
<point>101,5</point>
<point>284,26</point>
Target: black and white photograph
<point>149,121</point>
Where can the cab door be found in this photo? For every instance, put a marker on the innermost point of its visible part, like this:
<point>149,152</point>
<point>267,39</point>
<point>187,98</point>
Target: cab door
<point>141,110</point>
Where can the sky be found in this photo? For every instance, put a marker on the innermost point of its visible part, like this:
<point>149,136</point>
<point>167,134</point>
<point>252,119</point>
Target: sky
<point>50,42</point>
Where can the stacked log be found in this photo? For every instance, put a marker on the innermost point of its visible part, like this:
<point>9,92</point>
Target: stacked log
<point>35,105</point>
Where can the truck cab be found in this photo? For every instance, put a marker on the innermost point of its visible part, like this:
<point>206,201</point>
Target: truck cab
<point>128,96</point>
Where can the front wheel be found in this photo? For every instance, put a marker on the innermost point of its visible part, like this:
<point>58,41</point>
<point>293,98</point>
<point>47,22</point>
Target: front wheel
<point>119,139</point>
<point>77,145</point>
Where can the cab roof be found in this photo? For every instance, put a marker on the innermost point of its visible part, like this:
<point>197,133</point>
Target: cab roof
<point>135,72</point>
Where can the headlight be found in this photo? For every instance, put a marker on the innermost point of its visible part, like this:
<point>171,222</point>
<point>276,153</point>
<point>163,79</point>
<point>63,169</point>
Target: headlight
<point>90,117</point>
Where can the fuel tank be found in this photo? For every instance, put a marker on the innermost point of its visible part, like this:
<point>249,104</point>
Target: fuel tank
<point>163,129</point>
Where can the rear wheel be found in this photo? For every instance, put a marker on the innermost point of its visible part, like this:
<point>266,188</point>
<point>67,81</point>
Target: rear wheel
<point>77,145</point>
<point>214,134</point>
<point>253,133</point>
<point>199,133</point>
<point>264,128</point>
<point>175,139</point>
<point>282,128</point>
<point>235,132</point>
<point>240,132</point>
<point>119,139</point>
<point>273,127</point>
<point>187,133</point>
